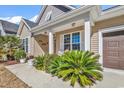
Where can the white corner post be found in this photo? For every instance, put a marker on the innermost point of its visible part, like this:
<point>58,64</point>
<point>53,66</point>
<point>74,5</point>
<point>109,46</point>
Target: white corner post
<point>101,47</point>
<point>51,43</point>
<point>87,31</point>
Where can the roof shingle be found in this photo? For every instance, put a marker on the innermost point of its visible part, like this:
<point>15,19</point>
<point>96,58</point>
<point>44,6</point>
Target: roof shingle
<point>9,27</point>
<point>30,23</point>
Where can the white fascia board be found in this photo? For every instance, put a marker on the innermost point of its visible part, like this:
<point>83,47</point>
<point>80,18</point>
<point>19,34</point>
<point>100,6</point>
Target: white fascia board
<point>26,24</point>
<point>41,13</point>
<point>112,29</point>
<point>2,30</point>
<point>19,28</point>
<point>64,17</point>
<point>21,24</point>
<point>114,12</point>
<point>70,7</point>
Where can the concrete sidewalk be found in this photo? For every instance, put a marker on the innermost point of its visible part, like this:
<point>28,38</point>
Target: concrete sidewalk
<point>40,79</point>
<point>36,78</point>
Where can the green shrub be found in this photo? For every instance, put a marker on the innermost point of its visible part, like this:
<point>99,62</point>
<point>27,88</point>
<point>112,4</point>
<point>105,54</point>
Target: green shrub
<point>43,62</point>
<point>77,66</point>
<point>9,44</point>
<point>55,65</point>
<point>19,54</point>
<point>48,59</point>
<point>39,62</point>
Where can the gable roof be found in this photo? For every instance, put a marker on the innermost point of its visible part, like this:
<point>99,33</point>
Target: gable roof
<point>9,27</point>
<point>29,23</point>
<point>45,6</point>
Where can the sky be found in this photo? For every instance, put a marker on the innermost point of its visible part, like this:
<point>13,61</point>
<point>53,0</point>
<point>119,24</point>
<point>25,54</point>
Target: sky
<point>14,13</point>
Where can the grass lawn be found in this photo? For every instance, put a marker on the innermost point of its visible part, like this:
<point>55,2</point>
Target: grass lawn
<point>9,80</point>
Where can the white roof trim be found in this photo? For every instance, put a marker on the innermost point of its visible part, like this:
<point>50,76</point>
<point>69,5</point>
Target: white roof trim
<point>68,6</point>
<point>114,12</point>
<point>41,13</point>
<point>63,17</point>
<point>26,24</point>
<point>44,7</point>
<point>21,25</point>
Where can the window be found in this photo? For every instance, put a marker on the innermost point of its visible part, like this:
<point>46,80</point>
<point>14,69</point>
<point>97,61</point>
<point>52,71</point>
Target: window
<point>48,16</point>
<point>25,44</point>
<point>67,42</point>
<point>76,41</point>
<point>72,41</point>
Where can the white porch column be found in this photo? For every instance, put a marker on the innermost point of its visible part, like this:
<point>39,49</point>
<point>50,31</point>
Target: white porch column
<point>87,31</point>
<point>51,43</point>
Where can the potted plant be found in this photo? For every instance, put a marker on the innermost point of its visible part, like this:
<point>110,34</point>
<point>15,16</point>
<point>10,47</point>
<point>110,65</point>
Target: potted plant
<point>20,55</point>
<point>30,60</point>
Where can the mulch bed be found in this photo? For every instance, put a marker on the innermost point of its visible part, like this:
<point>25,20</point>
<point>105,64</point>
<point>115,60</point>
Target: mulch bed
<point>9,62</point>
<point>9,80</point>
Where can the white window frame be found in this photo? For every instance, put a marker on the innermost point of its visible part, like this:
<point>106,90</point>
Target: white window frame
<point>28,44</point>
<point>106,30</point>
<point>71,39</point>
<point>67,43</point>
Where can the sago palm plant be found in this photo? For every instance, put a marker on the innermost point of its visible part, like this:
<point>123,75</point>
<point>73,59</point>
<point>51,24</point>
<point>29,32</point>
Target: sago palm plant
<point>43,62</point>
<point>55,66</point>
<point>78,66</point>
<point>39,62</point>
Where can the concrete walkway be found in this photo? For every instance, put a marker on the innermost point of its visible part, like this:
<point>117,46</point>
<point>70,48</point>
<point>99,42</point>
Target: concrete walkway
<point>39,79</point>
<point>36,78</point>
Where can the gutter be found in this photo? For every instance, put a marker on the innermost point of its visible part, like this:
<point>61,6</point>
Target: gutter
<point>62,18</point>
<point>110,13</point>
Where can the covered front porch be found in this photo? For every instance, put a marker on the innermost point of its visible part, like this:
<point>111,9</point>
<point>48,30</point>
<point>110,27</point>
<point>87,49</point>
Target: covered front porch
<point>71,31</point>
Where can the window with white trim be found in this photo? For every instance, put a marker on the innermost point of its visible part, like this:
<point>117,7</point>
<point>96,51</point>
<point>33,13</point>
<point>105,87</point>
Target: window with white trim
<point>72,41</point>
<point>67,42</point>
<point>25,44</point>
<point>76,41</point>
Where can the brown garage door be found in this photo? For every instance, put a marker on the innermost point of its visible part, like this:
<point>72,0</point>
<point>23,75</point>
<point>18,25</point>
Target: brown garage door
<point>113,50</point>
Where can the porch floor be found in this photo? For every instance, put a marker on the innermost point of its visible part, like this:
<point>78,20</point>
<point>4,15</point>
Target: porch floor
<point>39,79</point>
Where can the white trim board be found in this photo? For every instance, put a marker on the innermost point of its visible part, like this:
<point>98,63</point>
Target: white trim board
<point>29,42</point>
<point>106,30</point>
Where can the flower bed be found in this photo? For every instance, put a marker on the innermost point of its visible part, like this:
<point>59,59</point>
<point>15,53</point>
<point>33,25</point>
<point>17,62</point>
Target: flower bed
<point>11,62</point>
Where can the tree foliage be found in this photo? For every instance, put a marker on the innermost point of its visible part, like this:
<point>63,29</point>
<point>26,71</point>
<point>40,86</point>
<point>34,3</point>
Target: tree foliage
<point>9,44</point>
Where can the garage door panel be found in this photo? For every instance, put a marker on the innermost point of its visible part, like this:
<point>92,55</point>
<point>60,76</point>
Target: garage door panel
<point>110,63</point>
<point>121,63</point>
<point>113,51</point>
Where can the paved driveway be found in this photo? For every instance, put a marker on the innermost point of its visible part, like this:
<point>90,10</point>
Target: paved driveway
<point>39,79</point>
